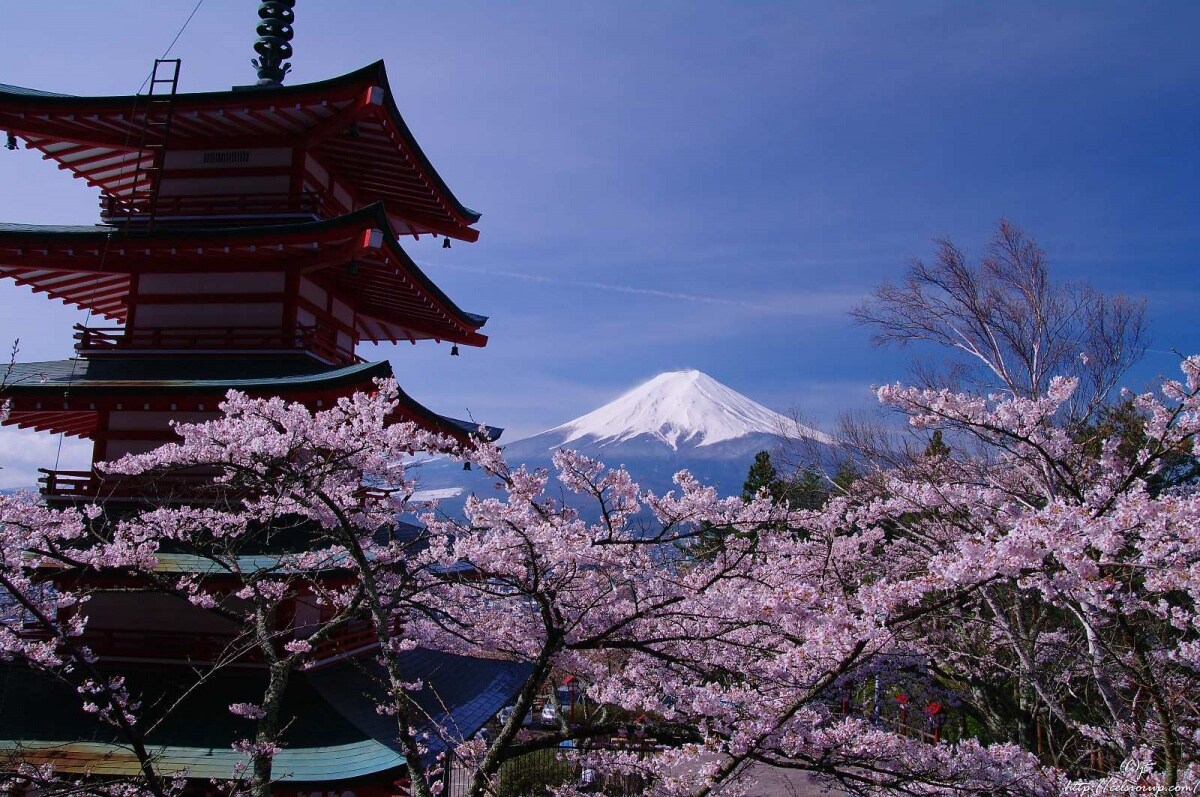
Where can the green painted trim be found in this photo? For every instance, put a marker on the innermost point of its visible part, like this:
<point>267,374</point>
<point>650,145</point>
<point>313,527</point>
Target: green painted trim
<point>302,765</point>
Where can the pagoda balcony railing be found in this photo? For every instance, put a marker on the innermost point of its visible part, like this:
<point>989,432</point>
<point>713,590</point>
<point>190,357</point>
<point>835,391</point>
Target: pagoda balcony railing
<point>318,341</point>
<point>117,210</point>
<point>355,638</point>
<point>90,485</point>
<point>170,645</point>
<point>207,646</point>
<point>68,483</point>
<point>193,485</point>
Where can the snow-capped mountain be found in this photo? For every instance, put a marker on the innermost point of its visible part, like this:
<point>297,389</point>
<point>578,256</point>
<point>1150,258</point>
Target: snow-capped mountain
<point>677,420</point>
<point>683,409</point>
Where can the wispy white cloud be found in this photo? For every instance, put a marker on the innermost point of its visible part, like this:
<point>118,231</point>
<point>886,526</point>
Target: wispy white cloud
<point>806,303</point>
<point>603,286</point>
<point>22,452</point>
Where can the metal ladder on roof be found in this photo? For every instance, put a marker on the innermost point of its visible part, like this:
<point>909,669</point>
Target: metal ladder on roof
<point>155,133</point>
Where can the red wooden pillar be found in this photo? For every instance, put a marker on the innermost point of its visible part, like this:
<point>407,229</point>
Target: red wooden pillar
<point>933,713</point>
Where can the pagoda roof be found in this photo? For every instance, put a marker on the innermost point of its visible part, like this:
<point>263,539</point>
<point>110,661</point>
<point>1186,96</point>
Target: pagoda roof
<point>90,266</point>
<point>212,375</point>
<point>66,395</point>
<point>351,124</point>
<point>332,731</point>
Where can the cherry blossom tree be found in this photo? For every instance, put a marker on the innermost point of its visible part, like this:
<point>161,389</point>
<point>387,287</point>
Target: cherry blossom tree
<point>1026,564</point>
<point>534,571</point>
<point>1037,362</point>
<point>41,627</point>
<point>740,659</point>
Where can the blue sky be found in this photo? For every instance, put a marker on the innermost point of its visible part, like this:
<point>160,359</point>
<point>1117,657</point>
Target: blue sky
<point>701,184</point>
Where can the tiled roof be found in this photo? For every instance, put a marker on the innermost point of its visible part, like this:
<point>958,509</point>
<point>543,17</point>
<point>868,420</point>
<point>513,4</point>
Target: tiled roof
<point>263,375</point>
<point>54,229</point>
<point>332,729</point>
<point>269,551</point>
<point>41,720</point>
<point>206,374</point>
<point>24,92</point>
<point>459,696</point>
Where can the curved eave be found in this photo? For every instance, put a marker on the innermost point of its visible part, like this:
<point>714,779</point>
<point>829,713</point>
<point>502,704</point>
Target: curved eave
<point>334,732</point>
<point>36,391</point>
<point>28,114</point>
<point>468,215</point>
<point>99,253</point>
<point>59,396</point>
<point>459,429</point>
<point>19,97</point>
<point>470,322</point>
<point>42,721</point>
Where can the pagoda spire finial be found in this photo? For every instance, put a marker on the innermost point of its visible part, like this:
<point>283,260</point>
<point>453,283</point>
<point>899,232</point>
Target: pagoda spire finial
<point>274,41</point>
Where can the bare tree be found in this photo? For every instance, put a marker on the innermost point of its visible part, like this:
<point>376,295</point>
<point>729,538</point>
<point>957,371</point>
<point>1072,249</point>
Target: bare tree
<point>1010,327</point>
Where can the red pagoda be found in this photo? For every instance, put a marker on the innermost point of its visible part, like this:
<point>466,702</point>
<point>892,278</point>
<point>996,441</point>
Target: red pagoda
<point>249,241</point>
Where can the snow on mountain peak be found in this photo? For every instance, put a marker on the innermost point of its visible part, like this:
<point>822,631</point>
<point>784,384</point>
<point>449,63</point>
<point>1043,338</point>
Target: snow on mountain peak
<point>681,407</point>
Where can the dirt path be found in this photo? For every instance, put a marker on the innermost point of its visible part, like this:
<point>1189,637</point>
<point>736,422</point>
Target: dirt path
<point>765,781</point>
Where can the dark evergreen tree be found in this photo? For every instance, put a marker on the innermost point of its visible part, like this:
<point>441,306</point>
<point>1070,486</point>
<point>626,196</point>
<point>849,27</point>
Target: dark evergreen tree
<point>762,475</point>
<point>847,473</point>
<point>710,539</point>
<point>807,490</point>
<point>1127,424</point>
<point>937,448</point>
